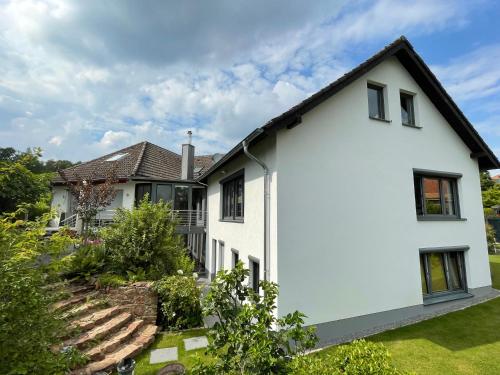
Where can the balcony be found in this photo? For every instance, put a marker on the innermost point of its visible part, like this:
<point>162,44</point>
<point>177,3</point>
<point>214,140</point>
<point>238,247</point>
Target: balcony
<point>189,221</point>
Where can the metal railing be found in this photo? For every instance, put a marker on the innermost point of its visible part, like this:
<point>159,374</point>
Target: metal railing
<point>190,218</point>
<point>70,221</point>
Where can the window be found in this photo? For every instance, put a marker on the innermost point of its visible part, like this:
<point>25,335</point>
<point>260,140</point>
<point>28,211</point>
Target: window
<point>116,157</point>
<point>181,198</point>
<point>407,109</point>
<point>254,275</point>
<point>376,101</point>
<point>233,197</point>
<point>163,192</point>
<point>140,191</point>
<point>221,256</point>
<point>214,256</point>
<point>442,273</point>
<point>436,197</point>
<point>236,257</point>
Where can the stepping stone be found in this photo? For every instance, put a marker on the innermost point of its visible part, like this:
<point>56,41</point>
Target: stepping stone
<point>163,355</point>
<point>195,343</point>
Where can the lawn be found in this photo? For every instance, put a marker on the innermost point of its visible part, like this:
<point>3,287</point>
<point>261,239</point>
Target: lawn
<point>168,340</point>
<point>462,342</point>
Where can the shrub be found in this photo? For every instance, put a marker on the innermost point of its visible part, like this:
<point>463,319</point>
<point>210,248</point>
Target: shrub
<point>180,301</point>
<point>357,358</point>
<point>111,280</point>
<point>491,238</point>
<point>145,238</point>
<point>86,261</point>
<point>28,326</point>
<point>248,338</point>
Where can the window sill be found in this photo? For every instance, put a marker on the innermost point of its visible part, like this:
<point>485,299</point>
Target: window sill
<point>240,221</point>
<point>446,297</point>
<point>380,119</point>
<point>412,126</point>
<point>440,218</point>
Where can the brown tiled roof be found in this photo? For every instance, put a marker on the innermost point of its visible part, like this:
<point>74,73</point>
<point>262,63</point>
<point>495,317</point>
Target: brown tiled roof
<point>497,177</point>
<point>143,160</point>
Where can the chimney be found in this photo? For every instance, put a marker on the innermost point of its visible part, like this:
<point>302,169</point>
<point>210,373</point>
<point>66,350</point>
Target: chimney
<point>187,159</point>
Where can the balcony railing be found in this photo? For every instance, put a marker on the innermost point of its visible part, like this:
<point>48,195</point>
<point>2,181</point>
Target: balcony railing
<point>190,218</point>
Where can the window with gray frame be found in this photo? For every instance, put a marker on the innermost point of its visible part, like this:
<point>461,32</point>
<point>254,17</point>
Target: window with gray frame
<point>254,274</point>
<point>436,196</point>
<point>407,109</point>
<point>233,197</point>
<point>442,273</point>
<point>221,255</point>
<point>376,102</point>
<point>214,256</point>
<point>235,257</point>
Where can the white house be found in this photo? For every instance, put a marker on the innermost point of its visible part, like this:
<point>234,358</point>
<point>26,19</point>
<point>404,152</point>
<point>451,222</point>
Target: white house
<point>144,168</point>
<point>371,216</point>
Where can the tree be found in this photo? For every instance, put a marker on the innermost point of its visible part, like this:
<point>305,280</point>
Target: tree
<point>19,185</point>
<point>248,337</point>
<point>92,195</point>
<point>486,181</point>
<point>491,197</point>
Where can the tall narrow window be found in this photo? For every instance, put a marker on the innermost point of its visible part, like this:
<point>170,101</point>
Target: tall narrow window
<point>221,256</point>
<point>236,257</point>
<point>376,102</point>
<point>214,256</point>
<point>442,273</point>
<point>233,193</point>
<point>254,275</point>
<point>436,196</point>
<point>407,109</point>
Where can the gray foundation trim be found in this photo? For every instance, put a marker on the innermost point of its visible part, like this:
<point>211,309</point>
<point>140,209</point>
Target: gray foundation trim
<point>345,330</point>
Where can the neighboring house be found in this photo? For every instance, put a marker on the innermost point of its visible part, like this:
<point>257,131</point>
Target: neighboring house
<point>140,169</point>
<point>374,215</point>
<point>496,178</point>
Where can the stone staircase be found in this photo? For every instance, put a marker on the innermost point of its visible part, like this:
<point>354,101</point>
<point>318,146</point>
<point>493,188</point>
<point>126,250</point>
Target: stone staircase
<point>105,332</point>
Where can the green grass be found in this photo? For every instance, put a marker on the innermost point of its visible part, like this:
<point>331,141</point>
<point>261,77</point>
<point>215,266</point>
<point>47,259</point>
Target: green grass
<point>168,340</point>
<point>462,342</point>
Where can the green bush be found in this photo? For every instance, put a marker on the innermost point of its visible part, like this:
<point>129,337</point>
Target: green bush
<point>111,280</point>
<point>491,238</point>
<point>357,358</point>
<point>249,338</point>
<point>87,261</point>
<point>180,301</point>
<point>28,326</point>
<point>145,238</point>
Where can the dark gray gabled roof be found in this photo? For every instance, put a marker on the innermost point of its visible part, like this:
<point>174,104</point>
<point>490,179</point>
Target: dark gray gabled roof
<point>404,52</point>
<point>143,160</point>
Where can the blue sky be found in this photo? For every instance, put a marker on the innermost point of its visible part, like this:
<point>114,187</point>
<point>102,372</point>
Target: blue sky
<point>80,79</point>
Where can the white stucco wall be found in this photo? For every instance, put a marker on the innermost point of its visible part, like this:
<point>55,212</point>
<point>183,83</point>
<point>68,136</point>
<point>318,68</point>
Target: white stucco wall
<point>60,197</point>
<point>347,230</point>
<point>247,237</point>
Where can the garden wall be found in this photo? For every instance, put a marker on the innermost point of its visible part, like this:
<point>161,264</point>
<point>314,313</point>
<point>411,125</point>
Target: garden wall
<point>138,299</point>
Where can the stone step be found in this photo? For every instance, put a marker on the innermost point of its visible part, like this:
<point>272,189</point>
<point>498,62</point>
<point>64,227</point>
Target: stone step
<point>78,289</point>
<point>143,339</point>
<point>101,331</point>
<point>85,308</point>
<point>67,303</point>
<point>94,319</point>
<point>98,352</point>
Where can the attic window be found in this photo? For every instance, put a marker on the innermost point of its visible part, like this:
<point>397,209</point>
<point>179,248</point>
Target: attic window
<point>197,169</point>
<point>116,157</point>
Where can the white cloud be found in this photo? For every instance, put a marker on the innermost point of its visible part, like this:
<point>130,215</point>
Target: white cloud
<point>104,75</point>
<point>56,140</point>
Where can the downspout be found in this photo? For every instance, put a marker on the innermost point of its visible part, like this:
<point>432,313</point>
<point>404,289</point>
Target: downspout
<point>267,205</point>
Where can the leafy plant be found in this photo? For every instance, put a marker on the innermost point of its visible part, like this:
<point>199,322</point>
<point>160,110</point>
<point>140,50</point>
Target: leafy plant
<point>248,337</point>
<point>491,238</point>
<point>86,261</point>
<point>145,238</point>
<point>357,358</point>
<point>28,325</point>
<point>180,301</point>
<point>111,280</point>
